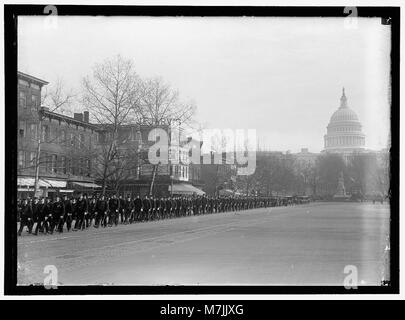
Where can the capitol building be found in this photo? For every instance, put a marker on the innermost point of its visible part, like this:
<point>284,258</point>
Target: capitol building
<point>344,135</point>
<point>344,131</point>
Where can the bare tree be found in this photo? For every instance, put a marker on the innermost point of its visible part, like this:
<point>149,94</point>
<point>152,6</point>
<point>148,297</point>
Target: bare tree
<point>112,95</point>
<point>160,104</point>
<point>57,98</point>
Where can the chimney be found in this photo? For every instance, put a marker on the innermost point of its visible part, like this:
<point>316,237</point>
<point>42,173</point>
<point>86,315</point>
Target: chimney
<point>78,116</point>
<point>86,116</point>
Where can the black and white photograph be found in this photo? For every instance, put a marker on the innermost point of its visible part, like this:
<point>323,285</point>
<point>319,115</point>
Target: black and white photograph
<point>198,150</point>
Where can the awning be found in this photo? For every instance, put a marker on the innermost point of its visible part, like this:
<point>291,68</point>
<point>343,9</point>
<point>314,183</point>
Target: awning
<point>25,190</point>
<point>226,192</point>
<point>56,183</point>
<point>183,188</point>
<point>86,184</point>
<point>30,182</point>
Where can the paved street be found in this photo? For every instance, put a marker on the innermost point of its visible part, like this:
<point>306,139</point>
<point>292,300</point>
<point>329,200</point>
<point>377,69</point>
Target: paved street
<point>307,245</point>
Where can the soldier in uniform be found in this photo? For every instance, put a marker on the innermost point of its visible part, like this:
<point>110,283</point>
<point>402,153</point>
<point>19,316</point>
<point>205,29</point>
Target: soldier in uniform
<point>51,218</point>
<point>19,209</point>
<point>162,208</point>
<point>178,206</point>
<point>101,212</point>
<point>81,209</point>
<point>138,208</point>
<point>168,207</point>
<point>173,206</point>
<point>146,205</point>
<point>58,209</point>
<point>26,217</point>
<point>35,206</point>
<point>40,212</point>
<point>129,210</point>
<point>122,207</point>
<point>68,212</point>
<point>92,211</point>
<point>114,206</point>
<point>152,208</point>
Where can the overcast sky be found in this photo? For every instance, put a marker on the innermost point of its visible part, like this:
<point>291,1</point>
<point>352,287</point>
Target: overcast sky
<point>280,76</point>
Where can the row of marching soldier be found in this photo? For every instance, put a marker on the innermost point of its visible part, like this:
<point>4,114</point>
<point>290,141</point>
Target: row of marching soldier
<point>45,215</point>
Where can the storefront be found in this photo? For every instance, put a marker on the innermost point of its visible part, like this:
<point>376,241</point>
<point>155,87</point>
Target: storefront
<point>184,189</point>
<point>84,187</point>
<point>47,187</point>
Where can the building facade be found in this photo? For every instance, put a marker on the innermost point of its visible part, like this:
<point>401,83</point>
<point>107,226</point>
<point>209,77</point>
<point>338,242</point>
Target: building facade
<point>344,131</point>
<point>56,146</point>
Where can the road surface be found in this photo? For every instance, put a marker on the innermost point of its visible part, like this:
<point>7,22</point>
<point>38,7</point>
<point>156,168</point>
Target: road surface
<point>304,245</point>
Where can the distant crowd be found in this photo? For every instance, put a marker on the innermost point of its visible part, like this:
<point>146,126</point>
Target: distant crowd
<point>46,215</point>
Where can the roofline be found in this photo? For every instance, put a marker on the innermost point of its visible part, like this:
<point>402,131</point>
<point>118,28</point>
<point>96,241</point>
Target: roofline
<point>32,78</point>
<point>67,118</point>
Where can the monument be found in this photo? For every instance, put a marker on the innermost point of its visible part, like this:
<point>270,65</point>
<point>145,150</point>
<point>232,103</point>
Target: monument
<point>341,191</point>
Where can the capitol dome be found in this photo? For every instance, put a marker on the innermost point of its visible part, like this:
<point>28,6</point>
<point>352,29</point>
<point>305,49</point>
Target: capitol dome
<point>344,131</point>
<point>344,114</point>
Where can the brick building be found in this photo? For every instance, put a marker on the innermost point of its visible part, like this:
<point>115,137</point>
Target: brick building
<point>71,149</point>
<point>64,144</point>
<point>175,175</point>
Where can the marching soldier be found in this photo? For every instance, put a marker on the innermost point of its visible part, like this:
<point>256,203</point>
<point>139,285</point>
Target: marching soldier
<point>92,210</point>
<point>178,207</point>
<point>173,206</point>
<point>113,205</point>
<point>137,208</point>
<point>168,207</point>
<point>68,212</point>
<point>81,209</point>
<point>129,210</point>
<point>162,212</point>
<point>153,208</point>
<point>51,219</point>
<point>146,204</point>
<point>19,209</point>
<point>101,212</point>
<point>122,207</point>
<point>58,210</point>
<point>41,213</point>
<point>26,217</point>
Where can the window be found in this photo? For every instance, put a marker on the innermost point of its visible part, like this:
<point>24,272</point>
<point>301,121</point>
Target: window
<point>81,145</point>
<point>34,102</point>
<point>80,166</point>
<point>35,86</point>
<point>88,167</point>
<point>22,99</point>
<point>42,161</point>
<point>21,128</point>
<point>69,165</point>
<point>45,133</point>
<point>21,158</point>
<point>54,160</point>
<point>33,130</point>
<point>32,159</point>
<point>23,82</point>
<point>63,164</point>
<point>72,139</point>
<point>62,136</point>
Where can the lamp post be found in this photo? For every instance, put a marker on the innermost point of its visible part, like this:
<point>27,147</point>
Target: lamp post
<point>171,185</point>
<point>170,153</point>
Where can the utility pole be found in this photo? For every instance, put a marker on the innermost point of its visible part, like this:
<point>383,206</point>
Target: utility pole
<point>38,154</point>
